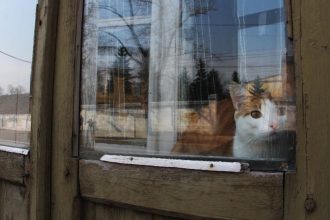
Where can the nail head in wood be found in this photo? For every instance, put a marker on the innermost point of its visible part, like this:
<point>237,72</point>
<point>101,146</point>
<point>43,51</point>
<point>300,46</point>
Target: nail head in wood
<point>310,205</point>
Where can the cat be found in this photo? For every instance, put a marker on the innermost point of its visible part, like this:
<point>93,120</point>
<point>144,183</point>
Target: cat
<point>247,125</point>
<point>260,125</point>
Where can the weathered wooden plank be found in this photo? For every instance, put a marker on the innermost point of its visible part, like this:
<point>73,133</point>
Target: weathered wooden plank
<point>315,65</point>
<point>204,194</point>
<point>12,167</point>
<point>89,211</point>
<point>13,201</point>
<point>291,198</point>
<point>94,211</point>
<point>41,109</point>
<point>159,217</point>
<point>97,211</point>
<point>312,37</point>
<point>295,183</point>
<point>64,172</point>
<point>78,60</point>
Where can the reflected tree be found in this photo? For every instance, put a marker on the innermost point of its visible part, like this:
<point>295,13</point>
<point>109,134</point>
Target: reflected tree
<point>140,56</point>
<point>206,85</point>
<point>138,53</point>
<point>215,85</point>
<point>14,90</point>
<point>257,87</point>
<point>121,71</point>
<point>199,86</point>
<point>235,77</point>
<point>143,76</point>
<point>183,85</point>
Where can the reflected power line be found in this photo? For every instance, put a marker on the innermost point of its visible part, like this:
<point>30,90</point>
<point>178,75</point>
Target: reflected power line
<point>16,58</point>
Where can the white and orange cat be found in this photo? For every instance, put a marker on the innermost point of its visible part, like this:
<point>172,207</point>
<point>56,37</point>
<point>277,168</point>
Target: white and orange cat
<point>259,123</point>
<point>247,126</point>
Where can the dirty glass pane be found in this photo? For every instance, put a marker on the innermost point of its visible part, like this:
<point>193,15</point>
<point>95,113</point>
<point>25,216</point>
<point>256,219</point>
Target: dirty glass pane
<point>16,47</point>
<point>211,78</point>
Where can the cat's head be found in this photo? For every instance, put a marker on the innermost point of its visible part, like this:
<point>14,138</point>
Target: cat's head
<point>257,117</point>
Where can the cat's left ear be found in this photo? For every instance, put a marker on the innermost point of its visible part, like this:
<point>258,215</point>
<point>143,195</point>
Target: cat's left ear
<point>237,93</point>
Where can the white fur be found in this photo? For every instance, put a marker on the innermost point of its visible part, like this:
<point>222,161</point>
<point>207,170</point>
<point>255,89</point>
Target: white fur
<point>254,135</point>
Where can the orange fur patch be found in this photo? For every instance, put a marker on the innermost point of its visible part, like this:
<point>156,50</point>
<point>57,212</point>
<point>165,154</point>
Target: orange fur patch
<point>251,103</point>
<point>210,132</point>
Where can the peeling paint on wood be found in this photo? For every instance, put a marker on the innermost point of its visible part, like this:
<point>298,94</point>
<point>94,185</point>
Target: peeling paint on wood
<point>219,166</point>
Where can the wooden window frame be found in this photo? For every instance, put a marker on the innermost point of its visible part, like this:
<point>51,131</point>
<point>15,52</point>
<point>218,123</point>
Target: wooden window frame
<point>127,185</point>
<point>55,181</point>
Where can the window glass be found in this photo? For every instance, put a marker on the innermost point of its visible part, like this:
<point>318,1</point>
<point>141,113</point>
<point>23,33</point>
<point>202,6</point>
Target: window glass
<point>16,45</point>
<point>187,78</point>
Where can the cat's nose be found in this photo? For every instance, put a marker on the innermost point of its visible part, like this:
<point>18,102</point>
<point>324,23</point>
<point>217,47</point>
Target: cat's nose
<point>274,126</point>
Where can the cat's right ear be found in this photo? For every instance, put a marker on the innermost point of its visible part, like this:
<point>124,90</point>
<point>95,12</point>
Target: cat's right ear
<point>237,93</point>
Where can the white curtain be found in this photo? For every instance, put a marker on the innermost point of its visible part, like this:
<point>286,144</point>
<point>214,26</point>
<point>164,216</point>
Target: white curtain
<point>163,74</point>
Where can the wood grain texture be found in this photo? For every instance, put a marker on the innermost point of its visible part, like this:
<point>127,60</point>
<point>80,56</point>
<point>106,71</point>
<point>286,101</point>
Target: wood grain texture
<point>312,51</point>
<point>315,65</point>
<point>196,193</point>
<point>78,60</point>
<point>293,198</point>
<point>64,171</point>
<point>13,201</point>
<point>295,191</point>
<point>42,108</point>
<point>159,217</point>
<point>95,211</point>
<point>12,167</point>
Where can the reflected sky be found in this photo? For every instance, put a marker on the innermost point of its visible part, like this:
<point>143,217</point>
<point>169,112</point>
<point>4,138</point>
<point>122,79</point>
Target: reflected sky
<point>110,9</point>
<point>16,38</point>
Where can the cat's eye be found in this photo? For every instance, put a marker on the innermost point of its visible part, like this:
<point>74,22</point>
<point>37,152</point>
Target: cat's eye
<point>256,114</point>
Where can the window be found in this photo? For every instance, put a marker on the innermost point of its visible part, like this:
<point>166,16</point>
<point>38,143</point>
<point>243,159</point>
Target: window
<point>188,78</point>
<point>16,45</point>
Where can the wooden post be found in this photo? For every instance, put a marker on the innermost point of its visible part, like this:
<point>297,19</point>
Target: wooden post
<point>64,169</point>
<point>307,192</point>
<point>42,108</point>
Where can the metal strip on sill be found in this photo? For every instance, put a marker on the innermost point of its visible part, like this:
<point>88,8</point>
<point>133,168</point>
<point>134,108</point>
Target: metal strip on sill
<point>14,150</point>
<point>218,166</point>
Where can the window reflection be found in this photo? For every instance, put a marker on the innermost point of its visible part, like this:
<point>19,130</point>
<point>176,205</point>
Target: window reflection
<point>187,77</point>
<point>16,45</point>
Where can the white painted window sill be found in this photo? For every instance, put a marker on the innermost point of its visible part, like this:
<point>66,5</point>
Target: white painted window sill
<point>219,166</point>
<point>14,150</point>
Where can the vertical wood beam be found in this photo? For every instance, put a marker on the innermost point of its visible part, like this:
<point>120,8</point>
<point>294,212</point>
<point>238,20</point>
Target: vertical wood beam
<point>311,181</point>
<point>65,195</point>
<point>42,107</point>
